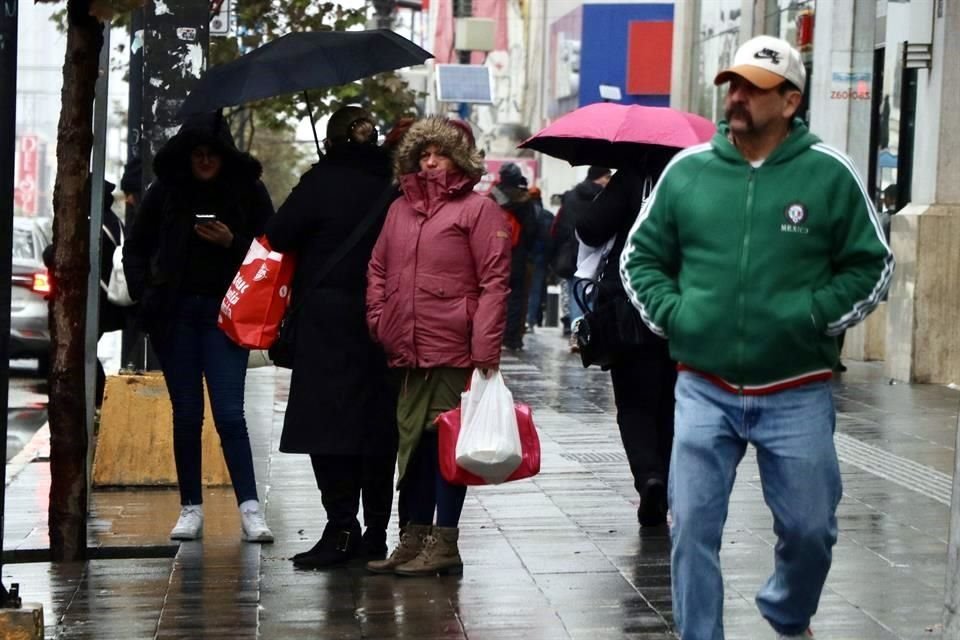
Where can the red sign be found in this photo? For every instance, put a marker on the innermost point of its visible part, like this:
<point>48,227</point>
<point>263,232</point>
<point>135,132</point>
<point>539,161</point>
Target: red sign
<point>805,31</point>
<point>528,167</point>
<point>25,191</point>
<point>649,55</point>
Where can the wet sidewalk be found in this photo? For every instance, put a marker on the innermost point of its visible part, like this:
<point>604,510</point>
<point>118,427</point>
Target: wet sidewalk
<point>558,556</point>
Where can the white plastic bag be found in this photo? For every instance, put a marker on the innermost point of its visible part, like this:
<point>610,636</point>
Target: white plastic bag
<point>117,291</point>
<point>489,440</point>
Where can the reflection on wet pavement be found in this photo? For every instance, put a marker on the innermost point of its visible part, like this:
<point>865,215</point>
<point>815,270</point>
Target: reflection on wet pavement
<point>558,556</point>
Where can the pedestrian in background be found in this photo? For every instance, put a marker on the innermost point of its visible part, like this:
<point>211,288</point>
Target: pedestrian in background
<point>436,301</point>
<point>752,254</point>
<point>512,194</point>
<point>568,258</point>
<point>110,316</point>
<point>195,224</point>
<point>539,259</point>
<point>341,408</point>
<point>643,375</point>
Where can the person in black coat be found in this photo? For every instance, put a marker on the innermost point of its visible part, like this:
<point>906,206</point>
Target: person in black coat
<point>540,256</point>
<point>195,224</point>
<point>512,195</point>
<point>643,376</point>
<point>342,409</point>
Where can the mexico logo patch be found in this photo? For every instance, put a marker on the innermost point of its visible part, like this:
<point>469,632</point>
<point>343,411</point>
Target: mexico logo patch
<point>795,213</point>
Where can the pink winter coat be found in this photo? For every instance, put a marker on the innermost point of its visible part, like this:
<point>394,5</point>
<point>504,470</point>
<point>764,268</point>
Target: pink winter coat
<point>437,281</point>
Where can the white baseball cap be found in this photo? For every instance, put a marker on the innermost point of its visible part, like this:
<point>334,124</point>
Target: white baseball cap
<point>766,62</point>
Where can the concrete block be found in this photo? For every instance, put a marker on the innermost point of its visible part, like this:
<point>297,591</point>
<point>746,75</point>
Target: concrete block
<point>135,441</point>
<point>25,623</point>
<point>922,338</point>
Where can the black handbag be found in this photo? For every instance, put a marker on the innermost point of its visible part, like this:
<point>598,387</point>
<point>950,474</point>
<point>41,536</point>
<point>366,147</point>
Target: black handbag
<point>611,329</point>
<point>283,348</point>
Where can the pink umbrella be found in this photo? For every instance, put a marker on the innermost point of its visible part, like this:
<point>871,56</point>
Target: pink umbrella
<point>616,135</point>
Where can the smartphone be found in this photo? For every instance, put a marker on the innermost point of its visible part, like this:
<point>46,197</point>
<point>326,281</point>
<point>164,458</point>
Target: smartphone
<point>201,218</point>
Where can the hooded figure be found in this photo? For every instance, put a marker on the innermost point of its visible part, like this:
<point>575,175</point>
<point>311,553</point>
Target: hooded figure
<point>436,301</point>
<point>194,227</point>
<point>341,409</point>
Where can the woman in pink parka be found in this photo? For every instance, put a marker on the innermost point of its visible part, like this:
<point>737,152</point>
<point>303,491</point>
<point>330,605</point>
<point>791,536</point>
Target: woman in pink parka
<point>436,300</point>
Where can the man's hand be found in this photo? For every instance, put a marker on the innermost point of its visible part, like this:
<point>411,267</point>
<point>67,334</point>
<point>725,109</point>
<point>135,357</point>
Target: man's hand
<point>215,232</point>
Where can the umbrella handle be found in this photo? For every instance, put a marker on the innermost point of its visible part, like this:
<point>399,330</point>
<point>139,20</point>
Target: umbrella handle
<point>313,123</point>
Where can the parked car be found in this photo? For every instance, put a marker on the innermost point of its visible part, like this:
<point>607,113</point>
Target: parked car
<point>30,285</point>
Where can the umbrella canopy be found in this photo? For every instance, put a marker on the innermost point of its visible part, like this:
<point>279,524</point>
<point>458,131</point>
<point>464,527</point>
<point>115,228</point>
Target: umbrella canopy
<point>615,135</point>
<point>299,62</point>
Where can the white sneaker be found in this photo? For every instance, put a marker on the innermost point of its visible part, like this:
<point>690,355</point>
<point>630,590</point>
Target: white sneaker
<point>190,523</point>
<point>254,525</point>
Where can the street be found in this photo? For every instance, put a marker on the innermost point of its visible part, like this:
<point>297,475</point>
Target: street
<point>27,405</point>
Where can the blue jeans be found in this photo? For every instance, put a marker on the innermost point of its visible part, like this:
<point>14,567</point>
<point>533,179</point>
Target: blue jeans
<point>538,285</point>
<point>428,491</point>
<point>193,349</point>
<point>575,311</point>
<point>792,431</point>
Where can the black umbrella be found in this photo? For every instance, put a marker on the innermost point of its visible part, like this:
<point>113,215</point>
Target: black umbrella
<point>301,61</point>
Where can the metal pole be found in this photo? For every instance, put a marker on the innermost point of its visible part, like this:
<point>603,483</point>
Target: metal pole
<point>97,195</point>
<point>134,133</point>
<point>313,124</point>
<point>384,11</point>
<point>951,606</point>
<point>8,143</point>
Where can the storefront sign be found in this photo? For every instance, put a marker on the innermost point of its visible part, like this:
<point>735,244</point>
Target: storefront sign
<point>851,85</point>
<point>25,191</point>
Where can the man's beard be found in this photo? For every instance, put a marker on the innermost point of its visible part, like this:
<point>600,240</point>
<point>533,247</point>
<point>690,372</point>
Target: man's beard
<point>741,112</point>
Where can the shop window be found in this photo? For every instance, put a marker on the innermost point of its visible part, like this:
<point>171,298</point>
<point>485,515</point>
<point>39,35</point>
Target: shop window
<point>894,111</point>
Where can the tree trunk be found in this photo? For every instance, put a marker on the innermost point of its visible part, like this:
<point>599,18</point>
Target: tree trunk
<point>71,205</point>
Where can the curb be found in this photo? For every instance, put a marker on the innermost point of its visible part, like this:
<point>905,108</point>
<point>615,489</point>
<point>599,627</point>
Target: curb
<point>37,448</point>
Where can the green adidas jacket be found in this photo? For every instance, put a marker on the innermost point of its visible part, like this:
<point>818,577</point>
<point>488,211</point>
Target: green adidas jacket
<point>752,272</point>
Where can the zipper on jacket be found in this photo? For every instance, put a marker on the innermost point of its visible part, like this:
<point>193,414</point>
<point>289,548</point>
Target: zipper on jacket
<point>741,274</point>
<point>413,297</point>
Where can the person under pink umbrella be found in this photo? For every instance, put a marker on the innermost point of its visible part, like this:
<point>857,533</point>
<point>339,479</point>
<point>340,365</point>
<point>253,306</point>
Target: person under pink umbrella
<point>617,135</point>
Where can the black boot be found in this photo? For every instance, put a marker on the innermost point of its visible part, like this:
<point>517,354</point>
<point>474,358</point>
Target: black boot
<point>653,503</point>
<point>373,546</point>
<point>336,547</point>
<point>311,551</point>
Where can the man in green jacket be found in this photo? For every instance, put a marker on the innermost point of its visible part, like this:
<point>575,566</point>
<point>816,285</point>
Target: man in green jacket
<point>751,255</point>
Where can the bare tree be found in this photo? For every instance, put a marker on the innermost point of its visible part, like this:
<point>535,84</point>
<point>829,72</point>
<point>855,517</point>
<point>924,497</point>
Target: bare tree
<point>71,205</point>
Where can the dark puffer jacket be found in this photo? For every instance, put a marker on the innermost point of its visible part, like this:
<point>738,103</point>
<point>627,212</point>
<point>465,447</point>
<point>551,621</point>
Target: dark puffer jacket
<point>162,243</point>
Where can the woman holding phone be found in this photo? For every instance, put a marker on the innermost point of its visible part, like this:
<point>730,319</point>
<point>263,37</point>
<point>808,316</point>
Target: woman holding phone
<point>194,227</point>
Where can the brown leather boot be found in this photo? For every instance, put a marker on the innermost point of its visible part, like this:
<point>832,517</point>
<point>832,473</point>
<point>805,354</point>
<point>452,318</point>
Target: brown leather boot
<point>411,541</point>
<point>439,556</point>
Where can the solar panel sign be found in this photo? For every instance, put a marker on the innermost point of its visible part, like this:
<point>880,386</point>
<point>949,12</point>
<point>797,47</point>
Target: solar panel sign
<point>464,83</point>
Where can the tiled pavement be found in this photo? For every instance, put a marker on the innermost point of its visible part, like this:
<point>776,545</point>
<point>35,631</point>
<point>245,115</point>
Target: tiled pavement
<point>559,556</point>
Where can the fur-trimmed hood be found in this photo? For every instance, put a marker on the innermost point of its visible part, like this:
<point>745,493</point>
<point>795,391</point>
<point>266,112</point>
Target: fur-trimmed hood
<point>441,132</point>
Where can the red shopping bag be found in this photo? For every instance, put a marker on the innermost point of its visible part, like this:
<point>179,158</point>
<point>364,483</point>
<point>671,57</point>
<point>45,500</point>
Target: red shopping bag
<point>253,306</point>
<point>448,429</point>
